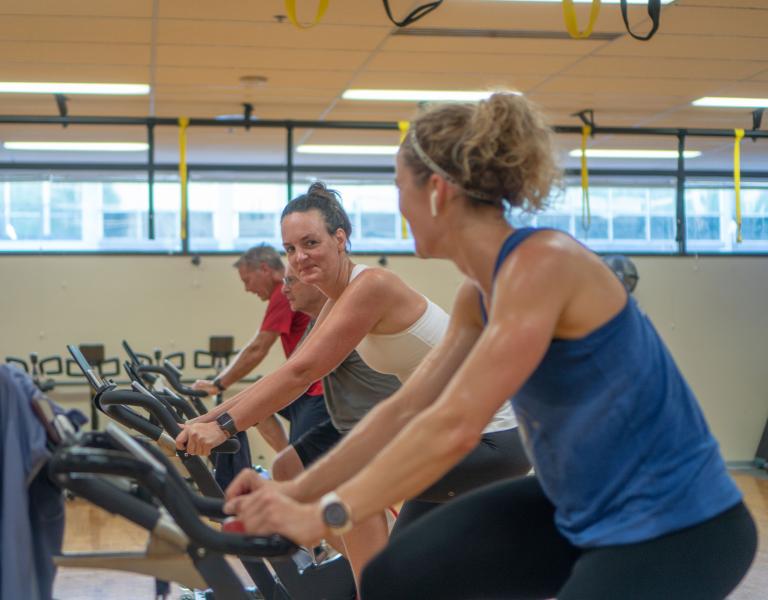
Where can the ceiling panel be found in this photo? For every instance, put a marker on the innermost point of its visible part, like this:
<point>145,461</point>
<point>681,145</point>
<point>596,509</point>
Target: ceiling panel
<point>718,47</point>
<point>259,58</point>
<point>447,62</point>
<point>340,12</point>
<point>639,86</point>
<point>634,66</point>
<point>67,72</point>
<point>37,29</point>
<point>703,20</point>
<point>474,45</point>
<point>754,4</point>
<point>229,78</point>
<point>445,81</point>
<point>84,8</point>
<point>75,53</point>
<point>268,35</point>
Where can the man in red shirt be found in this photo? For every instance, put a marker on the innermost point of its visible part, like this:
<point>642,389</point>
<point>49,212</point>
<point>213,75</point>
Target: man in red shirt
<point>261,270</point>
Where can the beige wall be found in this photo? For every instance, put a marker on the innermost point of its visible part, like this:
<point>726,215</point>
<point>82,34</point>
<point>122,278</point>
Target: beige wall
<point>711,311</point>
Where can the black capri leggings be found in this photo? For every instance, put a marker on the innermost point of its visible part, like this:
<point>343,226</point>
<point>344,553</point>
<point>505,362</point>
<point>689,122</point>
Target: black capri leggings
<point>501,542</point>
<point>499,455</point>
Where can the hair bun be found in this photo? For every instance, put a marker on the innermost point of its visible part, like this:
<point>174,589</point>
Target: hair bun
<point>318,188</point>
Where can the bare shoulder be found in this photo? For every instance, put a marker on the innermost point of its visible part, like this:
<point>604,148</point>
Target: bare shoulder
<point>545,250</point>
<point>375,279</point>
<point>543,270</point>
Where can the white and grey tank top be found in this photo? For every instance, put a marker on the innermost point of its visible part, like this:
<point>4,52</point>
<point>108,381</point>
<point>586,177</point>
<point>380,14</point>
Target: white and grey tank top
<point>400,353</point>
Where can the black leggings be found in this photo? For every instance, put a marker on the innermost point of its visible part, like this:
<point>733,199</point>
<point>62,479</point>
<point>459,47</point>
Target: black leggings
<point>501,542</point>
<point>499,455</point>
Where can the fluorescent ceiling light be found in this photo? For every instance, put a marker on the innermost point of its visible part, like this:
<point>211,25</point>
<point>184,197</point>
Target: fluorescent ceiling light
<point>597,153</point>
<point>339,149</point>
<point>585,1</point>
<point>119,89</point>
<point>234,117</point>
<point>732,102</point>
<point>417,95</point>
<point>79,146</point>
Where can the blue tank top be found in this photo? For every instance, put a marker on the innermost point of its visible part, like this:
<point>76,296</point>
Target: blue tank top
<point>617,438</point>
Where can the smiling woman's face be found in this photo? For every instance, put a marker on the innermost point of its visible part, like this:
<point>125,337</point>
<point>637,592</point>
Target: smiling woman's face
<point>314,254</point>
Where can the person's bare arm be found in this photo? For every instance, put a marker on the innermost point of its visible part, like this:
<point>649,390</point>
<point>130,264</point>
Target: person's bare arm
<point>246,361</point>
<point>352,316</point>
<point>383,423</point>
<point>531,293</point>
<point>248,358</point>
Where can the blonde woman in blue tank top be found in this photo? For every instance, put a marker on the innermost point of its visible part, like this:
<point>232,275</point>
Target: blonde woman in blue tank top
<point>393,328</point>
<point>631,498</point>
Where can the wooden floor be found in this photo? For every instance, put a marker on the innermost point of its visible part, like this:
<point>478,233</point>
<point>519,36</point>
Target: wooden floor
<point>90,529</point>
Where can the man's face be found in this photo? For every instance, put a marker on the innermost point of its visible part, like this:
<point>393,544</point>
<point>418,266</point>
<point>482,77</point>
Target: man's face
<point>301,296</point>
<point>258,280</point>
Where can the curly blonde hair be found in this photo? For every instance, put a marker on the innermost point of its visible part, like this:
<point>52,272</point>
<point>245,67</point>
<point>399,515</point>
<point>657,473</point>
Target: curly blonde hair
<point>498,150</point>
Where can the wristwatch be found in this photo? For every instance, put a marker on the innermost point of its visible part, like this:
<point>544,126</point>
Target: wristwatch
<point>227,424</point>
<point>336,514</point>
<point>218,385</point>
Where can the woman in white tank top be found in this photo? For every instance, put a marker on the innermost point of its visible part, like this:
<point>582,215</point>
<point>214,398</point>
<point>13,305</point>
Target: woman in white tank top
<point>393,328</point>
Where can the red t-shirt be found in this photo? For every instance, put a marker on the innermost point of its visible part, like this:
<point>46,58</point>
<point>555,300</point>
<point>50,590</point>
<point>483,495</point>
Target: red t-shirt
<point>290,325</point>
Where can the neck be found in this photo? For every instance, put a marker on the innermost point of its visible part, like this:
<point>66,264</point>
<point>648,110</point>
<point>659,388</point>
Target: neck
<point>474,246</point>
<point>335,285</point>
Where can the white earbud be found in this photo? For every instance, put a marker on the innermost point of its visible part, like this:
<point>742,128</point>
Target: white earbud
<point>433,203</point>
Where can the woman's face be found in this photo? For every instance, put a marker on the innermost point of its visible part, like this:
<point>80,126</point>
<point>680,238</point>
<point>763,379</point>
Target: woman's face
<point>314,254</point>
<point>414,205</point>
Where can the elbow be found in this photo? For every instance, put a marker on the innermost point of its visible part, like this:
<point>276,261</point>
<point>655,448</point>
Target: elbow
<point>465,440</point>
<point>459,434</point>
<point>301,374</point>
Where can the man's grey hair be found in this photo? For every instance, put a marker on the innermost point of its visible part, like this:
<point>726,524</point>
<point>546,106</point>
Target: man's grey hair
<point>263,253</point>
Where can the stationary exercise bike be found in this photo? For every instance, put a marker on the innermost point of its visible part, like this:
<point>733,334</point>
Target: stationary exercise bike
<point>299,578</point>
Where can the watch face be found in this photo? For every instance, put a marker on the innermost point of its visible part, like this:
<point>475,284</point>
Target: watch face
<point>227,423</point>
<point>335,515</point>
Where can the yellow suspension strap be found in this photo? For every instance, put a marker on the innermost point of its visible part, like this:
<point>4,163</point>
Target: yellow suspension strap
<point>586,211</point>
<point>738,135</point>
<point>183,124</point>
<point>403,126</point>
<point>290,10</point>
<point>572,24</point>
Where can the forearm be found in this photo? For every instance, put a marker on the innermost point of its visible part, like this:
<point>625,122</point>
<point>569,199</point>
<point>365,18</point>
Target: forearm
<point>355,451</point>
<point>419,455</point>
<point>383,423</point>
<point>274,434</point>
<point>246,361</point>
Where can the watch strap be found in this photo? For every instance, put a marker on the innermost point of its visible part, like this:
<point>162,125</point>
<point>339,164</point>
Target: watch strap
<point>227,424</point>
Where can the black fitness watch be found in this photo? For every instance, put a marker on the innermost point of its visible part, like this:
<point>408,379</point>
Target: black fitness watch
<point>335,513</point>
<point>227,424</point>
<point>218,385</point>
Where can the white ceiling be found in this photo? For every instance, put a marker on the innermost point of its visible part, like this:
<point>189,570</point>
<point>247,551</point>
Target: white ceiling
<point>202,48</point>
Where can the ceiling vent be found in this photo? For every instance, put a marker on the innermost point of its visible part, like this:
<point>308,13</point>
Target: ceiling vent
<point>522,34</point>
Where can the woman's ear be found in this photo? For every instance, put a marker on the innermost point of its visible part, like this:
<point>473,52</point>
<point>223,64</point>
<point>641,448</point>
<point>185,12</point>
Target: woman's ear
<point>341,240</point>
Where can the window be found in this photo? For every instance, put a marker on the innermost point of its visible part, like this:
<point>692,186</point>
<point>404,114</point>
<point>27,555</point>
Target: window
<point>75,213</point>
<point>256,225</point>
<point>378,225</point>
<point>66,212</point>
<point>710,208</point>
<point>26,211</point>
<point>620,219</point>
